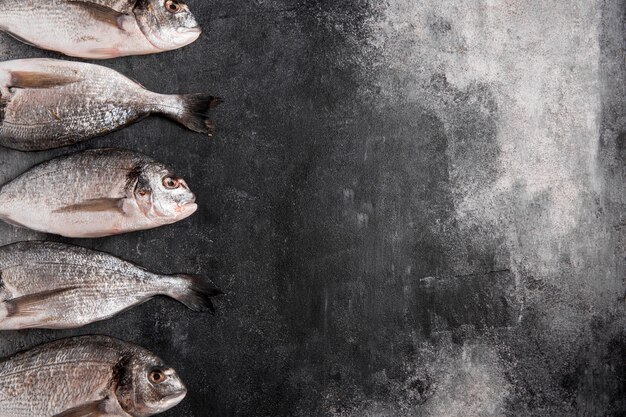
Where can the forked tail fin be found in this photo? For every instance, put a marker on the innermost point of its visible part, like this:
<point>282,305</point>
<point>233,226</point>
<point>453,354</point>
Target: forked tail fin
<point>197,293</point>
<point>195,112</point>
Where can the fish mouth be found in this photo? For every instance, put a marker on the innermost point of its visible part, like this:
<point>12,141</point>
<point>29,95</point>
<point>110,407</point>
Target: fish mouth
<point>174,399</point>
<point>192,30</point>
<point>187,35</point>
<point>187,208</point>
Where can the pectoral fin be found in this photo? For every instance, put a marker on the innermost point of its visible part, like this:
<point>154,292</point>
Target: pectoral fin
<point>102,13</point>
<point>12,222</point>
<point>103,408</point>
<point>31,305</point>
<point>96,205</point>
<point>105,52</point>
<point>33,79</point>
<point>19,38</point>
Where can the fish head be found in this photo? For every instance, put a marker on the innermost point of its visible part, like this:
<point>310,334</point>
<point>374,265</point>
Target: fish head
<point>149,387</point>
<point>167,24</point>
<point>162,196</point>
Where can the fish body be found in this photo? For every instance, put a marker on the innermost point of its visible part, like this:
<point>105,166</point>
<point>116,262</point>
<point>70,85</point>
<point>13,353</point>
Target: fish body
<point>100,29</point>
<point>58,286</point>
<point>93,376</point>
<point>47,103</point>
<point>96,193</point>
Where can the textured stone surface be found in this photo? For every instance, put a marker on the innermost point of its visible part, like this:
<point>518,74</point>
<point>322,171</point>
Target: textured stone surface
<point>414,208</point>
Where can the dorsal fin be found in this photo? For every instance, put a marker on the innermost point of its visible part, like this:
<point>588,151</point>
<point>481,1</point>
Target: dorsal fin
<point>103,13</point>
<point>33,79</point>
<point>104,407</point>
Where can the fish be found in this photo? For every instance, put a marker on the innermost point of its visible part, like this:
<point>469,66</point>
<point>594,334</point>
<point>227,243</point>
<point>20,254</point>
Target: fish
<point>100,29</point>
<point>49,103</point>
<point>48,285</point>
<point>96,193</point>
<point>88,376</point>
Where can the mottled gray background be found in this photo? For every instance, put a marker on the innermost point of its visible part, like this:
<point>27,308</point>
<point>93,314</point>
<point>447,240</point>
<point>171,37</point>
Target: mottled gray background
<point>415,208</point>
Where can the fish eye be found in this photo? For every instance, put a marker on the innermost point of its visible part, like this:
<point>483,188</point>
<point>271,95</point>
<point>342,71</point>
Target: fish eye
<point>157,376</point>
<point>173,6</point>
<point>170,183</point>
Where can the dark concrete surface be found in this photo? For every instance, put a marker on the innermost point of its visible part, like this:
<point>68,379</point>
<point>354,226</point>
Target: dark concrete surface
<point>415,208</point>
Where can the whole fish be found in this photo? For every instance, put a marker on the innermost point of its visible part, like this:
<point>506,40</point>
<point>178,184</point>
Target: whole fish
<point>88,376</point>
<point>50,285</point>
<point>47,103</point>
<point>95,193</point>
<point>100,29</point>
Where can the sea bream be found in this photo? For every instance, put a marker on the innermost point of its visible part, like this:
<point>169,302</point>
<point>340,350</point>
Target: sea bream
<point>96,193</point>
<point>51,285</point>
<point>100,29</point>
<point>88,376</point>
<point>48,103</point>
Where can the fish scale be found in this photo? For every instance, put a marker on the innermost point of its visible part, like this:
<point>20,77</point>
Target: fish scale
<point>68,375</point>
<point>21,400</point>
<point>54,285</point>
<point>50,103</point>
<point>96,193</point>
<point>63,115</point>
<point>99,29</point>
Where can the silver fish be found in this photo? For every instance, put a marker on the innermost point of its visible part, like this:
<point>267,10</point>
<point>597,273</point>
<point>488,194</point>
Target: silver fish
<point>100,29</point>
<point>50,285</point>
<point>48,103</point>
<point>95,193</point>
<point>88,376</point>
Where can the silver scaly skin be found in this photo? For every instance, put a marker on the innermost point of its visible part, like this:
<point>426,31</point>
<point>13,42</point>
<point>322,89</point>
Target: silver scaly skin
<point>58,286</point>
<point>96,193</point>
<point>92,376</point>
<point>100,29</point>
<point>47,103</point>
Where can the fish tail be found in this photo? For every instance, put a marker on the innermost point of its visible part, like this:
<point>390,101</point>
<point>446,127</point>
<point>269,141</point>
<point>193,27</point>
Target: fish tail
<point>197,293</point>
<point>195,112</point>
